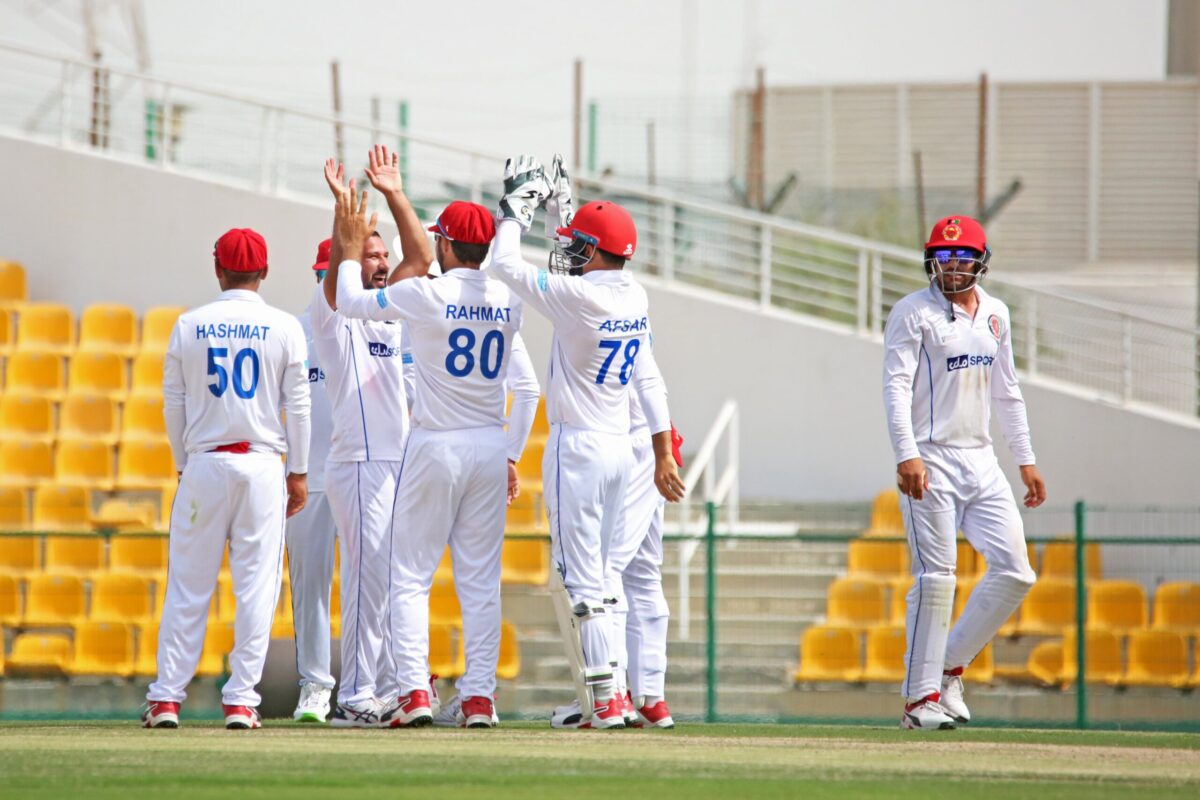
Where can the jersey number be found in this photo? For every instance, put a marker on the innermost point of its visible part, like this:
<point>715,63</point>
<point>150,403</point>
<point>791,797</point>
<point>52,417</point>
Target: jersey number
<point>613,346</point>
<point>461,358</point>
<point>239,363</point>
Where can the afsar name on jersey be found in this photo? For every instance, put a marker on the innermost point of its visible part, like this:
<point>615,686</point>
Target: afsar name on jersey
<point>232,330</point>
<point>623,325</point>
<point>964,361</point>
<point>478,313</point>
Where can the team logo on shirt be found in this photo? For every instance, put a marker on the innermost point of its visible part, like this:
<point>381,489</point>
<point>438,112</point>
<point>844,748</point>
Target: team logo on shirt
<point>964,361</point>
<point>315,374</point>
<point>381,350</point>
<point>996,327</point>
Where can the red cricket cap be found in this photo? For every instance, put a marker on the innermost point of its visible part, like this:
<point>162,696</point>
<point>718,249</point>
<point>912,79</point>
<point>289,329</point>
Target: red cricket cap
<point>323,255</point>
<point>241,250</point>
<point>957,232</point>
<point>465,222</point>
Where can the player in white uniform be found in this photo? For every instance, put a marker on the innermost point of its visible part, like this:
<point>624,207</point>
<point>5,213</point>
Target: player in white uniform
<point>948,358</point>
<point>232,366</point>
<point>464,331</point>
<point>364,377</point>
<point>601,324</point>
<point>310,541</point>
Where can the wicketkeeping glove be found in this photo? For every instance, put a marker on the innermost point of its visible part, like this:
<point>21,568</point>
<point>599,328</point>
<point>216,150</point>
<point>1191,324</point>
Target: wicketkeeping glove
<point>560,205</point>
<point>525,188</point>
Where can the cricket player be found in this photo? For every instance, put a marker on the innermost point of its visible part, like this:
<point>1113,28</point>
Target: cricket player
<point>601,328</point>
<point>310,542</point>
<point>232,366</point>
<point>948,359</point>
<point>454,478</point>
<point>364,376</point>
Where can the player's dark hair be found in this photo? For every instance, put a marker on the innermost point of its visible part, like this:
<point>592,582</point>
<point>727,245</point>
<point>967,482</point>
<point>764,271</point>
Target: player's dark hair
<point>472,254</point>
<point>237,279</point>
<point>610,260</point>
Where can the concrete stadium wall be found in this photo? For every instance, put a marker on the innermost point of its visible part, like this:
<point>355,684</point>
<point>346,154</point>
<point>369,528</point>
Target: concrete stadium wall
<point>91,230</point>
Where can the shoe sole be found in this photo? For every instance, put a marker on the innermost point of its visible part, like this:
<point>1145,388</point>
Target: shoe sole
<point>166,723</point>
<point>308,716</point>
<point>907,725</point>
<point>417,722</point>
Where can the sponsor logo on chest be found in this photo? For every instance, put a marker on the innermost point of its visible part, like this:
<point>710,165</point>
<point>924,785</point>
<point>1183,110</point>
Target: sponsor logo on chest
<point>966,361</point>
<point>381,350</point>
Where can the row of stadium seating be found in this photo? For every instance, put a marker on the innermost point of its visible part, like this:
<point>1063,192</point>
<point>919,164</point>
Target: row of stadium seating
<point>879,558</point>
<point>135,465</point>
<point>102,328</point>
<point>54,376</point>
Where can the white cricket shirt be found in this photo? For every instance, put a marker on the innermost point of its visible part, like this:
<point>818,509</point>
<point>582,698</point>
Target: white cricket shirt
<point>320,417</point>
<point>232,366</point>
<point>942,371</point>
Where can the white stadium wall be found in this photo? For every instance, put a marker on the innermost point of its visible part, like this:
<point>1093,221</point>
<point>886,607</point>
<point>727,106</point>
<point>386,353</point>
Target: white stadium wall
<point>94,230</point>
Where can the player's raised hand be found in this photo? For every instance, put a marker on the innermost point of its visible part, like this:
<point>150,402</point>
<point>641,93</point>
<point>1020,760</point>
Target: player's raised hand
<point>525,188</point>
<point>1035,487</point>
<point>351,228</point>
<point>560,205</point>
<point>297,493</point>
<point>514,483</point>
<point>912,478</point>
<point>384,170</point>
<point>335,177</point>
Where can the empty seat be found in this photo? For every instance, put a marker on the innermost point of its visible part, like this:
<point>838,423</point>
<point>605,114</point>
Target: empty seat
<point>966,563</point>
<point>103,648</point>
<point>39,374</point>
<point>446,656</point>
<point>167,502</point>
<point>146,662</point>
<point>898,599</point>
<point>116,514</point>
<point>83,463</point>
<point>829,653</point>
<point>1157,658</point>
<point>7,332</point>
<point>443,604</point>
<point>1116,605</point>
<point>983,668</point>
<point>27,418</point>
<point>1101,654</point>
<point>509,665</point>
<point>1177,607</point>
<point>525,561</point>
<point>157,324</point>
<point>121,597</point>
<point>20,554</point>
<point>88,418</point>
<point>10,600</point>
<point>1030,551</point>
<point>97,374</point>
<point>143,418</point>
<point>146,375</point>
<point>875,558</point>
<point>26,464</point>
<point>53,600</point>
<point>46,327</point>
<point>1048,608</point>
<point>13,290</point>
<point>108,328</point>
<point>854,602</point>
<point>145,465</point>
<point>1058,560</point>
<point>79,553</point>
<point>522,513</point>
<point>1045,662</point>
<point>61,508</point>
<point>886,519</point>
<point>40,653</point>
<point>529,471</point>
<point>218,641</point>
<point>142,554</point>
<point>886,645</point>
<point>14,514</point>
<point>963,587</point>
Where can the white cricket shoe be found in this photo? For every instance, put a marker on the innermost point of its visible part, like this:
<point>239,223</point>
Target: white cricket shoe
<point>952,698</point>
<point>569,716</point>
<point>313,705</point>
<point>349,715</point>
<point>452,716</point>
<point>926,715</point>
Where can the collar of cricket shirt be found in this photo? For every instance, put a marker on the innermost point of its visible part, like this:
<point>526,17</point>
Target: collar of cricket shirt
<point>242,294</point>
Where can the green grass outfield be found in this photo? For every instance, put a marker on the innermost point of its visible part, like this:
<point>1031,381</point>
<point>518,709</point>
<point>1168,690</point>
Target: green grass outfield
<point>519,760</point>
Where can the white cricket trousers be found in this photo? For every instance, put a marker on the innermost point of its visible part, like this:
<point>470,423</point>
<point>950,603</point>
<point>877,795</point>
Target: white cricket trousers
<point>968,492</point>
<point>239,498</point>
<point>453,491</point>
<point>584,479</point>
<point>361,496</point>
<point>310,538</point>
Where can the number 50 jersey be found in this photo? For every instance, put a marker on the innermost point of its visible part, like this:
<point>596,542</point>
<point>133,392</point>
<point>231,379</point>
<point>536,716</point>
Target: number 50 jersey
<point>231,367</point>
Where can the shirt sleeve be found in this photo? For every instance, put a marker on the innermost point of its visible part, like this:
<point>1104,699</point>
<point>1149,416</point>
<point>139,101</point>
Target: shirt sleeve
<point>402,299</point>
<point>555,297</point>
<point>1010,403</point>
<point>174,394</point>
<point>321,317</point>
<point>296,402</point>
<point>408,368</point>
<point>902,348</point>
<point>652,390</point>
<point>523,384</point>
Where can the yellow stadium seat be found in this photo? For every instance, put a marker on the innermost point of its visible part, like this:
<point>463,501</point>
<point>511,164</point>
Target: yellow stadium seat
<point>1058,560</point>
<point>41,374</point>
<point>147,375</point>
<point>25,464</point>
<point>1045,662</point>
<point>103,648</point>
<point>97,374</point>
<point>1177,607</point>
<point>156,327</point>
<point>14,514</point>
<point>829,653</point>
<point>509,665</point>
<point>983,668</point>
<point>886,645</point>
<point>28,418</point>
<point>1030,551</point>
<point>143,418</point>
<point>541,424</point>
<point>117,514</point>
<point>1048,608</point>
<point>83,463</point>
<point>886,519</point>
<point>898,599</point>
<point>108,328</point>
<point>880,559</point>
<point>145,465</point>
<point>20,554</point>
<point>1102,657</point>
<point>962,593</point>
<point>7,335</point>
<point>525,561</point>
<point>529,471</point>
<point>146,555</point>
<point>88,418</point>
<point>10,600</point>
<point>446,656</point>
<point>61,508</point>
<point>77,553</point>
<point>13,290</point>
<point>146,663</point>
<point>1116,605</point>
<point>1157,658</point>
<point>53,600</point>
<point>168,501</point>
<point>856,603</point>
<point>966,564</point>
<point>218,641</point>
<point>46,327</point>
<point>121,597</point>
<point>226,599</point>
<point>40,653</point>
<point>522,514</point>
<point>443,604</point>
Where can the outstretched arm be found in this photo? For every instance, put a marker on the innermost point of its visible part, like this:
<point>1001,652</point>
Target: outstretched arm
<point>335,178</point>
<point>416,254</point>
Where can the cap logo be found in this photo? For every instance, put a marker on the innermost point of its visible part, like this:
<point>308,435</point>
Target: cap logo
<point>628,250</point>
<point>995,327</point>
<point>952,231</point>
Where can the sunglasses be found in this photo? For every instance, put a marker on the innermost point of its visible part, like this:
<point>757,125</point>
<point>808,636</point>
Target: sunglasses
<point>944,257</point>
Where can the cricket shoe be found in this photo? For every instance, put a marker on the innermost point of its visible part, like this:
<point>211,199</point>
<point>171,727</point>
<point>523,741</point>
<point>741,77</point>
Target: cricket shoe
<point>435,702</point>
<point>628,712</point>
<point>569,716</point>
<point>655,716</point>
<point>926,714</point>
<point>313,705</point>
<point>609,714</point>
<point>351,715</point>
<point>408,711</point>
<point>951,697</point>
<point>160,714</point>
<point>477,712</point>
<point>240,718</point>
<point>451,715</point>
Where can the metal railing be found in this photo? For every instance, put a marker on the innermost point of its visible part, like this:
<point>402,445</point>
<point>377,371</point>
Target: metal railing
<point>769,262</point>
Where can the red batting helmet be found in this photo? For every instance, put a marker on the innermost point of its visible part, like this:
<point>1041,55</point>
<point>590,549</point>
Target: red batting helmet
<point>956,241</point>
<point>957,232</point>
<point>606,225</point>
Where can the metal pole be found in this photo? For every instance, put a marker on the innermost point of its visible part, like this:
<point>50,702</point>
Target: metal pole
<point>755,168</point>
<point>919,186</point>
<point>651,161</point>
<point>339,147</point>
<point>981,164</point>
<point>710,613</point>
<point>403,144</point>
<point>577,115</point>
<point>374,119</point>
<point>1081,720</point>
<point>593,119</point>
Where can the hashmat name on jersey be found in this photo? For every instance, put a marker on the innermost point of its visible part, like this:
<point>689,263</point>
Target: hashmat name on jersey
<point>623,325</point>
<point>479,313</point>
<point>964,361</point>
<point>232,330</point>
